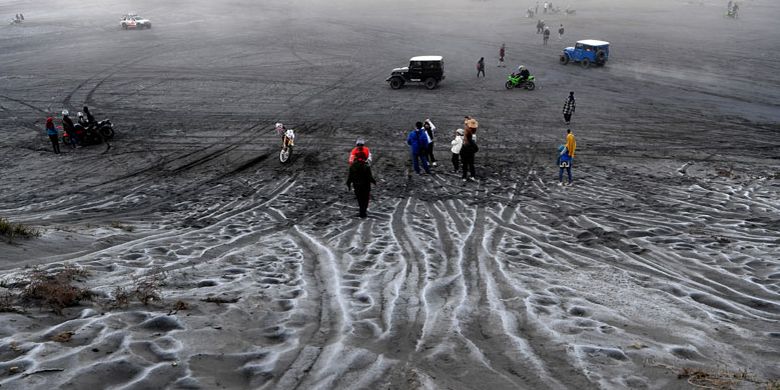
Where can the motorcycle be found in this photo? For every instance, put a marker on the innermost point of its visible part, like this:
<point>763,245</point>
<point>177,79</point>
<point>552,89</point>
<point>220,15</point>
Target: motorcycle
<point>513,81</point>
<point>287,148</point>
<point>94,133</point>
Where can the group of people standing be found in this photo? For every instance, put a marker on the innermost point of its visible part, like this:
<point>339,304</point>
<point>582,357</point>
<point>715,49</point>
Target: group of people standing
<point>72,132</point>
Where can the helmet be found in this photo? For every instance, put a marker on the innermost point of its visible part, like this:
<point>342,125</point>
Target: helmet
<point>360,142</point>
<point>521,67</point>
<point>65,113</point>
<point>279,125</point>
<point>81,114</point>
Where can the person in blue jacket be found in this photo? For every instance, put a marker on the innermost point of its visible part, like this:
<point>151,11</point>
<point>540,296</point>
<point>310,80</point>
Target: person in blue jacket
<point>564,162</point>
<point>54,135</point>
<point>418,140</point>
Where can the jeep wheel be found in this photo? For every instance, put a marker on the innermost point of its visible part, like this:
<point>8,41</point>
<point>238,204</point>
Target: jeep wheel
<point>430,83</point>
<point>585,63</point>
<point>396,83</point>
<point>509,85</point>
<point>530,85</point>
<point>564,59</point>
<point>124,26</point>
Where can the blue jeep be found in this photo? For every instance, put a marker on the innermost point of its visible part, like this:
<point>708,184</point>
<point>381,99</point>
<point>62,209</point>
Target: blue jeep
<point>587,52</point>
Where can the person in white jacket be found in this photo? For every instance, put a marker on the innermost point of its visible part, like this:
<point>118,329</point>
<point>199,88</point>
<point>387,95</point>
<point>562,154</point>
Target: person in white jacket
<point>430,129</point>
<point>457,143</point>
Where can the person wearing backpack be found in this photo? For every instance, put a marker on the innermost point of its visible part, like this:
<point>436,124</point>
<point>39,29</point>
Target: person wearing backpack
<point>418,143</point>
<point>360,178</point>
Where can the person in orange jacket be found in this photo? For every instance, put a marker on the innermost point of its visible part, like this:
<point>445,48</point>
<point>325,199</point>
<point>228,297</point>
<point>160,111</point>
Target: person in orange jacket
<point>360,149</point>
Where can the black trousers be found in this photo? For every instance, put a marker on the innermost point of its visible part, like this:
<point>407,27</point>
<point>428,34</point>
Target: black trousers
<point>362,196</point>
<point>431,158</point>
<point>468,163</point>
<point>567,117</point>
<point>55,143</point>
<point>456,162</point>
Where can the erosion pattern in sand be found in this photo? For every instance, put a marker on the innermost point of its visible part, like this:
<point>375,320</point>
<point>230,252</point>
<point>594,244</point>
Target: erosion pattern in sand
<point>663,254</point>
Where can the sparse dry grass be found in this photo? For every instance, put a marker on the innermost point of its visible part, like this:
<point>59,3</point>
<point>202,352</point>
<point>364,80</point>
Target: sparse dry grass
<point>720,379</point>
<point>13,230</point>
<point>54,290</point>
<point>149,288</point>
<point>121,226</point>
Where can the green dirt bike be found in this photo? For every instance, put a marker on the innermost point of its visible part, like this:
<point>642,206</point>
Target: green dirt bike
<point>513,81</point>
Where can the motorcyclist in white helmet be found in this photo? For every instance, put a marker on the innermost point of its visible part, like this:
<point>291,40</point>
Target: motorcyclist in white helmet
<point>286,134</point>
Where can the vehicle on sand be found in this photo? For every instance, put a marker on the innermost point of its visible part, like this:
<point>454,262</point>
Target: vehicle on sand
<point>587,52</point>
<point>513,81</point>
<point>132,21</point>
<point>287,146</point>
<point>428,70</point>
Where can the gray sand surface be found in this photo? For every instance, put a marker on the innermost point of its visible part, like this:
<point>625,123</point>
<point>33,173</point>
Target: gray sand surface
<point>662,255</point>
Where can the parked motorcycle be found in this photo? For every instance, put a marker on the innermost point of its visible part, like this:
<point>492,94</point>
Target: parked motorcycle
<point>287,148</point>
<point>95,133</point>
<point>513,81</point>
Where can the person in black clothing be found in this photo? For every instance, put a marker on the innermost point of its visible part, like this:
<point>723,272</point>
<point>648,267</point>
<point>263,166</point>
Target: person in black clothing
<point>481,66</point>
<point>467,152</point>
<point>90,118</point>
<point>360,178</point>
<point>69,129</point>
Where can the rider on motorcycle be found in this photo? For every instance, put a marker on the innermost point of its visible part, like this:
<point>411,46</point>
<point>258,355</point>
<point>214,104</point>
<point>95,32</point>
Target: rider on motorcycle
<point>283,132</point>
<point>523,72</point>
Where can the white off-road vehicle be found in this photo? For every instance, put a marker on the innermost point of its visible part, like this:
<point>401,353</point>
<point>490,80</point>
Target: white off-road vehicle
<point>132,21</point>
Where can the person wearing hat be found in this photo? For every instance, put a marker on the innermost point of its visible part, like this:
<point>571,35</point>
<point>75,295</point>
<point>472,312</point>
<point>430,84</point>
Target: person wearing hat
<point>360,178</point>
<point>69,129</point>
<point>54,136</point>
<point>360,148</point>
<point>418,143</point>
<point>457,144</point>
<point>568,107</point>
<point>470,125</point>
<point>469,149</point>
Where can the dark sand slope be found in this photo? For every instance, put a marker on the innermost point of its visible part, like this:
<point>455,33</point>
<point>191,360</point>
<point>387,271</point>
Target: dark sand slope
<point>663,255</point>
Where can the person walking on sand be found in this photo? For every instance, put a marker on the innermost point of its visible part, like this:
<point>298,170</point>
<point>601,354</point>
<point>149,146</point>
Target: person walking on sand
<point>545,35</point>
<point>539,26</point>
<point>567,155</point>
<point>568,107</point>
<point>564,163</point>
<point>469,149</point>
<point>457,144</point>
<point>560,32</point>
<point>360,178</point>
<point>54,136</point>
<point>481,66</point>
<point>430,130</point>
<point>501,53</point>
<point>418,143</point>
<point>545,7</point>
<point>360,148</point>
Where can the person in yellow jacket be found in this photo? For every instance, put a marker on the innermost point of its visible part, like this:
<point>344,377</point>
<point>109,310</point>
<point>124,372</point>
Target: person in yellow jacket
<point>571,143</point>
<point>566,156</point>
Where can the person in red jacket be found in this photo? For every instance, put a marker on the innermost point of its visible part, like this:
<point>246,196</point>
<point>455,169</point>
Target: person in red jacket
<point>360,149</point>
